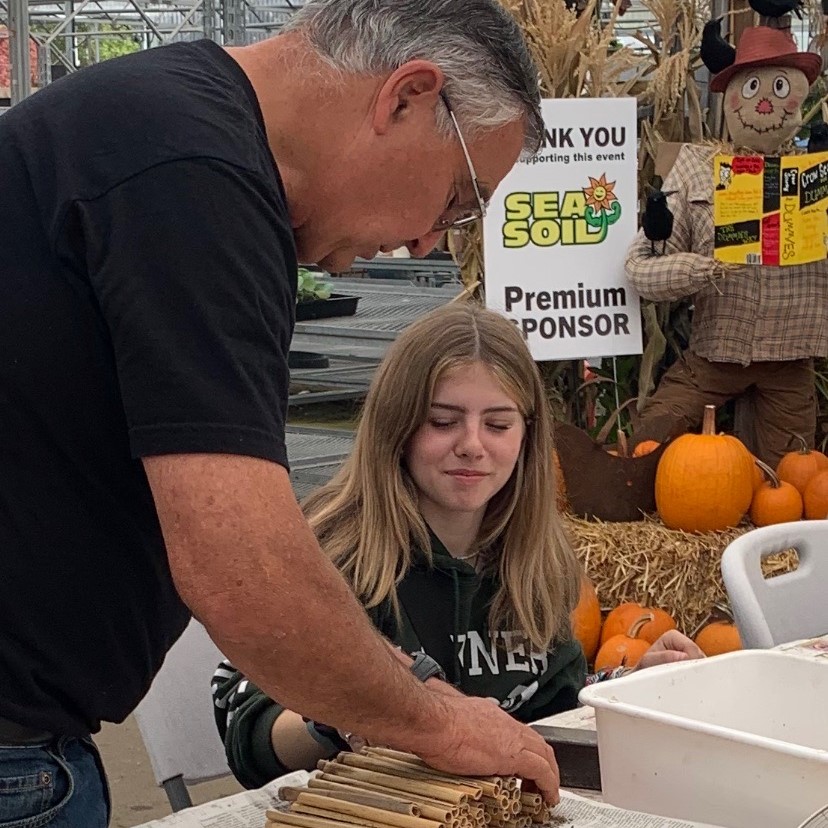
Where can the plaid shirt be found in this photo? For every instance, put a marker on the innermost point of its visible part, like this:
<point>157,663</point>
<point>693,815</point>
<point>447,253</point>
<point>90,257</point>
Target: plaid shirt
<point>742,314</point>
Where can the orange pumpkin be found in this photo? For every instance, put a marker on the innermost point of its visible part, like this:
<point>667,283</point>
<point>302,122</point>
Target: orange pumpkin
<point>718,638</point>
<point>775,501</point>
<point>816,497</point>
<point>623,650</point>
<point>645,447</point>
<point>718,634</point>
<point>704,482</point>
<point>798,467</point>
<point>586,619</point>
<point>620,619</point>
<point>660,622</point>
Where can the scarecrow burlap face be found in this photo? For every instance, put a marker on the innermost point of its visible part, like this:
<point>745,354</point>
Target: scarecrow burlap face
<point>765,81</point>
<point>763,106</point>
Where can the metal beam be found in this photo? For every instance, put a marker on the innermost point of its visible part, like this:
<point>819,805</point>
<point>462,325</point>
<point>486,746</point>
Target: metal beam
<point>21,73</point>
<point>234,23</point>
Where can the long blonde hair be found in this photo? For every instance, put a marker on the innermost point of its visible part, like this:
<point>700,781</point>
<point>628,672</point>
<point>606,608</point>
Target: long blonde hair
<point>366,517</point>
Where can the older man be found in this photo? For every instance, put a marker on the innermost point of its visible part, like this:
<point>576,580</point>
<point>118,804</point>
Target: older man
<point>152,213</point>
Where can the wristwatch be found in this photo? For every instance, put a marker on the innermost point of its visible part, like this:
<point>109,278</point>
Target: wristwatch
<point>425,667</point>
<point>327,736</point>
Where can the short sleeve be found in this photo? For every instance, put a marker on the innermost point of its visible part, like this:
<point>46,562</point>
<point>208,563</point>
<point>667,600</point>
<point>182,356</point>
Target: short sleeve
<point>193,266</point>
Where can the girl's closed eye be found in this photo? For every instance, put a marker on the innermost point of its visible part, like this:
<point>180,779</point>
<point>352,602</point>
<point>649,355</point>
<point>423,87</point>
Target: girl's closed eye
<point>441,423</point>
<point>500,426</point>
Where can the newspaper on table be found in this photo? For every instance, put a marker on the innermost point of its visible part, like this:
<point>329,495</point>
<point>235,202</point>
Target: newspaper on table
<point>247,810</point>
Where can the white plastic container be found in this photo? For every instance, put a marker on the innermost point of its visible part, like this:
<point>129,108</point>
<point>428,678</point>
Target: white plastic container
<point>740,740</point>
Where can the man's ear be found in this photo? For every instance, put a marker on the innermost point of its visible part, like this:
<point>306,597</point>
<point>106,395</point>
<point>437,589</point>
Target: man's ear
<point>412,89</point>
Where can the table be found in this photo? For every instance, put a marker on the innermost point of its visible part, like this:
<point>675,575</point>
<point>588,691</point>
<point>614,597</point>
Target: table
<point>384,310</point>
<point>245,810</point>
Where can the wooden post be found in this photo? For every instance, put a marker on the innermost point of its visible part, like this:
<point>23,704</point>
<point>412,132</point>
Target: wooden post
<point>743,18</point>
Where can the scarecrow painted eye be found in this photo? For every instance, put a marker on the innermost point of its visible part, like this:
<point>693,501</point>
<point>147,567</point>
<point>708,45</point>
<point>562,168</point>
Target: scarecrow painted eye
<point>750,87</point>
<point>781,87</point>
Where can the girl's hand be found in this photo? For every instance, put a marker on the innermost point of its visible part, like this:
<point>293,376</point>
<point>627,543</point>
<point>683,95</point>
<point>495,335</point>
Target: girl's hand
<point>668,649</point>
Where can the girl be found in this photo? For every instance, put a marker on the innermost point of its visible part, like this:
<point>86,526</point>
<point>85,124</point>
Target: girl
<point>443,520</point>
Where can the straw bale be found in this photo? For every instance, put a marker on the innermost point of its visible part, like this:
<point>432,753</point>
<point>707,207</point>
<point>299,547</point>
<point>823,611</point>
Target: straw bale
<point>648,563</point>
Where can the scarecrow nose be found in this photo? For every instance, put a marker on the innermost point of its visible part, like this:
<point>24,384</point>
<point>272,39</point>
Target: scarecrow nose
<point>764,107</point>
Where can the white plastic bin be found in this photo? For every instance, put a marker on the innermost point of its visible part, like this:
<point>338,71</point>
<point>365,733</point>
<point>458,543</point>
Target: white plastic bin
<point>739,740</point>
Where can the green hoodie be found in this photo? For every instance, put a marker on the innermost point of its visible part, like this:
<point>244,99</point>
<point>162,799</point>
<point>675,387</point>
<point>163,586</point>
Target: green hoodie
<point>444,613</point>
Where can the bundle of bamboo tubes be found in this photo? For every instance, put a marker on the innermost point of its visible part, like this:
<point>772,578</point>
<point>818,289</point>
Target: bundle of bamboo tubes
<point>382,788</point>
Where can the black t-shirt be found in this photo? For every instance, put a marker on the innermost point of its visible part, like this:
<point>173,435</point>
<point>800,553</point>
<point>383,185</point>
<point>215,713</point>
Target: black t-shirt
<point>147,289</point>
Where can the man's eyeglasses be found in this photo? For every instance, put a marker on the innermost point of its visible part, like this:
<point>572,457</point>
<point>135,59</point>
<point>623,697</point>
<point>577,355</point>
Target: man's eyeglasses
<point>463,217</point>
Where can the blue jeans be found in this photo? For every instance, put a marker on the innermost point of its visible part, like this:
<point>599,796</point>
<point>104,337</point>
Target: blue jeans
<point>60,784</point>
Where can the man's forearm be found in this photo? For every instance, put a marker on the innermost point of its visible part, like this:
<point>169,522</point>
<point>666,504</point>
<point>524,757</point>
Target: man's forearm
<point>310,645</point>
<point>249,567</point>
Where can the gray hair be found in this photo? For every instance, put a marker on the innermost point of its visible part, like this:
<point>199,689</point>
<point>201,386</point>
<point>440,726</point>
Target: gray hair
<point>490,78</point>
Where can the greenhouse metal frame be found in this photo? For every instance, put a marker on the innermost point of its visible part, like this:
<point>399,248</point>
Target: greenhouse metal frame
<point>60,30</point>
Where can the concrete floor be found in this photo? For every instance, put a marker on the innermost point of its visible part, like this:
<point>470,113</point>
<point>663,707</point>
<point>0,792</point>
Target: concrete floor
<point>135,796</point>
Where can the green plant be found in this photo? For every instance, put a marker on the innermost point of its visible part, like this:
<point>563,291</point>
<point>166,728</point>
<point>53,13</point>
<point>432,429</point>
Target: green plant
<point>310,286</point>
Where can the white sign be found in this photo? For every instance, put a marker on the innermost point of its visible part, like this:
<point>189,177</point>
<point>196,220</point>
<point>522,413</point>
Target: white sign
<point>557,232</point>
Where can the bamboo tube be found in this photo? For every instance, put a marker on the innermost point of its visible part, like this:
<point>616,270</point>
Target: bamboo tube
<point>532,800</point>
<point>429,808</point>
<point>408,785</point>
<point>515,807</point>
<point>467,785</point>
<point>483,782</point>
<point>373,800</point>
<point>316,800</point>
<point>299,820</point>
<point>383,800</point>
<point>336,818</point>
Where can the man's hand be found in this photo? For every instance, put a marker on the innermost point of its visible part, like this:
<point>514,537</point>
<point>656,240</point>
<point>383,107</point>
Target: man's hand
<point>476,738</point>
<point>668,649</point>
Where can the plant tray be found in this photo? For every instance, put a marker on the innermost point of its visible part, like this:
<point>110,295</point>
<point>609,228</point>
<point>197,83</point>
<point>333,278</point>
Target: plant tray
<point>337,305</point>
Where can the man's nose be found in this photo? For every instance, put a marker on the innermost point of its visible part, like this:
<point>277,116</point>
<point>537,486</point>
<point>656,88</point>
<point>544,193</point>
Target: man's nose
<point>420,247</point>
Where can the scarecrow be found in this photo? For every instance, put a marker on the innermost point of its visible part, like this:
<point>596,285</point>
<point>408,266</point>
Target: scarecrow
<point>755,329</point>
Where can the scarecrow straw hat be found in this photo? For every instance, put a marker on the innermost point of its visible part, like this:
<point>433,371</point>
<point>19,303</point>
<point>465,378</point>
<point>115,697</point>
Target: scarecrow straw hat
<point>763,46</point>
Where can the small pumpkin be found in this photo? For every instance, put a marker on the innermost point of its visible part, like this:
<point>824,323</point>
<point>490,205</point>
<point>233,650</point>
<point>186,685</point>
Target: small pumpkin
<point>720,635</point>
<point>775,501</point>
<point>620,619</point>
<point>623,650</point>
<point>645,447</point>
<point>704,482</point>
<point>660,622</point>
<point>586,619</point>
<point>798,467</point>
<point>816,497</point>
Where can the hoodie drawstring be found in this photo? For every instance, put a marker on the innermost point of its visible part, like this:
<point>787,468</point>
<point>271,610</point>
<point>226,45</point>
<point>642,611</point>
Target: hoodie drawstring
<point>455,669</point>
